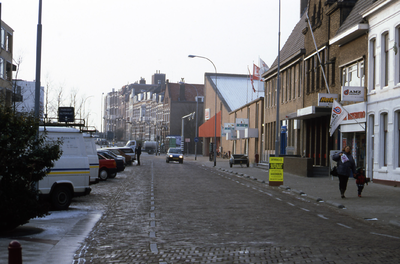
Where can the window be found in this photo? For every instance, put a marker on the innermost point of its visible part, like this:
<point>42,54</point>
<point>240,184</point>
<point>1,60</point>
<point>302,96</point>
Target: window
<point>384,138</point>
<point>385,59</point>
<point>353,75</point>
<point>397,55</point>
<point>1,68</point>
<point>3,38</point>
<point>299,81</point>
<point>308,76</point>
<point>373,63</point>
<point>397,137</point>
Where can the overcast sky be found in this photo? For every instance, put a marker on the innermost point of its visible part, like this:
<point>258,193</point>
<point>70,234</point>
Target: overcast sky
<point>94,45</point>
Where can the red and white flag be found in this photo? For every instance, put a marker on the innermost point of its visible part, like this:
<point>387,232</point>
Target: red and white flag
<point>251,79</point>
<point>256,72</point>
<point>337,115</point>
<point>263,67</point>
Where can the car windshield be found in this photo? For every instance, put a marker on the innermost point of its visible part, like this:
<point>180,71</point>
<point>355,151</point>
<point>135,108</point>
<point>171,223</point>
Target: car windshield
<point>175,150</point>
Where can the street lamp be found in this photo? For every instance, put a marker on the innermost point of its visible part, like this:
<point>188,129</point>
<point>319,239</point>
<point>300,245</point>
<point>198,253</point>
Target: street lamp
<point>278,127</point>
<point>215,110</point>
<point>101,121</point>
<point>189,116</point>
<point>197,114</point>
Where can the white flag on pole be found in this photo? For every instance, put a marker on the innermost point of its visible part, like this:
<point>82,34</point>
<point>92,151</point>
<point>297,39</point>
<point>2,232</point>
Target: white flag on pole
<point>337,115</point>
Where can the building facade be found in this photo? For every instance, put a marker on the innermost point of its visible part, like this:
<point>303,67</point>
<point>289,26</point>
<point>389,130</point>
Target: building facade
<point>383,106</point>
<point>6,65</point>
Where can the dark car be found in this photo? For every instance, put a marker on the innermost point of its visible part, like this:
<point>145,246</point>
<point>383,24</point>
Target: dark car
<point>119,160</point>
<point>239,159</point>
<point>118,151</point>
<point>107,167</point>
<point>174,154</point>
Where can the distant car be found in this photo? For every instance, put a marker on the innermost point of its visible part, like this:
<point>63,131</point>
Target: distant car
<point>107,167</point>
<point>239,159</point>
<point>174,154</point>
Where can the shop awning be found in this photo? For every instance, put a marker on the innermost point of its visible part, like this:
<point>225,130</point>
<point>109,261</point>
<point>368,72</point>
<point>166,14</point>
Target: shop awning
<point>310,112</point>
<point>207,129</point>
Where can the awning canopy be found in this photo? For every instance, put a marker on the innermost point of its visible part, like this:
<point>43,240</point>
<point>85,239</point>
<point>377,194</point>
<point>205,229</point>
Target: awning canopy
<point>207,129</point>
<point>310,112</point>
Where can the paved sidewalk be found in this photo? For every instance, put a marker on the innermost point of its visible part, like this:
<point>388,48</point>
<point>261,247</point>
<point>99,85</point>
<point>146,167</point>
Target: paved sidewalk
<point>378,203</point>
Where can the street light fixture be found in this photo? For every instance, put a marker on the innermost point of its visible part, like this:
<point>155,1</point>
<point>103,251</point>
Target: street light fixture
<point>215,110</point>
<point>197,111</point>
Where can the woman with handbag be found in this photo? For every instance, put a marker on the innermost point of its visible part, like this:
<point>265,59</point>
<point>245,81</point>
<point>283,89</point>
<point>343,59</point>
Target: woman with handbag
<point>346,167</point>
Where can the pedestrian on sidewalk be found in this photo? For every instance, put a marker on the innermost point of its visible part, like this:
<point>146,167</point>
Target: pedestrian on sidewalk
<point>361,180</point>
<point>138,151</point>
<point>346,167</point>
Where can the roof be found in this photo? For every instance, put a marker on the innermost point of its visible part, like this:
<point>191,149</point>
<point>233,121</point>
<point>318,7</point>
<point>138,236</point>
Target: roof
<point>293,45</point>
<point>190,91</point>
<point>354,25</point>
<point>235,90</point>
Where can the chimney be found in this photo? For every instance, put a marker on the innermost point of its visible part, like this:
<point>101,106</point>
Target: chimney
<point>142,80</point>
<point>182,92</point>
<point>303,7</point>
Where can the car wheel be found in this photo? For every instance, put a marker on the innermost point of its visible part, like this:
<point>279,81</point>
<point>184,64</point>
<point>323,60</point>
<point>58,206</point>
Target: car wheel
<point>113,175</point>
<point>61,198</point>
<point>103,174</point>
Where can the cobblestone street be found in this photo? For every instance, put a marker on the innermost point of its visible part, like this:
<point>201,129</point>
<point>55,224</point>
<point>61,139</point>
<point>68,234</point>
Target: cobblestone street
<point>190,213</point>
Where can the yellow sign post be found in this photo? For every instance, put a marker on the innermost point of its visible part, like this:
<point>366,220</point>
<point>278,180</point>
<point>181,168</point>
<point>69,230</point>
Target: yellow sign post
<point>275,171</point>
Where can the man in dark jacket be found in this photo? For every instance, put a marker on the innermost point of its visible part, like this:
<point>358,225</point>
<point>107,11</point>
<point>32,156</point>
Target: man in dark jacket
<point>346,167</point>
<point>138,151</point>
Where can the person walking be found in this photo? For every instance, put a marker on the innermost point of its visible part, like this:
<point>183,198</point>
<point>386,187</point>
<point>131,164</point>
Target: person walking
<point>346,167</point>
<point>361,180</point>
<point>138,151</point>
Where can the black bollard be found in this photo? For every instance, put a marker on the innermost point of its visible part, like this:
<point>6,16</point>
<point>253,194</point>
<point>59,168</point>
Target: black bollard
<point>14,253</point>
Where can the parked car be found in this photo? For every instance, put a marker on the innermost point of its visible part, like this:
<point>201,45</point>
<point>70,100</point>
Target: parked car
<point>118,159</point>
<point>239,159</point>
<point>107,167</point>
<point>118,151</point>
<point>128,151</point>
<point>174,154</point>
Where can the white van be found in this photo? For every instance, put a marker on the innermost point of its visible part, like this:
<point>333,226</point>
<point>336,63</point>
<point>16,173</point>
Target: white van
<point>131,144</point>
<point>91,151</point>
<point>70,175</point>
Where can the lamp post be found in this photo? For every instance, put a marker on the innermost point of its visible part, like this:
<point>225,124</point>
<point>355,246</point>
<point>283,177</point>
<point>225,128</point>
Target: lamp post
<point>84,109</point>
<point>197,114</point>
<point>215,110</point>
<point>189,116</point>
<point>278,127</point>
<point>101,121</point>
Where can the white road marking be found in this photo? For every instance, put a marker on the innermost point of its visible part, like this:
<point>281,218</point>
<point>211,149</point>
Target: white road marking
<point>385,235</point>
<point>323,217</point>
<point>304,209</point>
<point>344,225</point>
